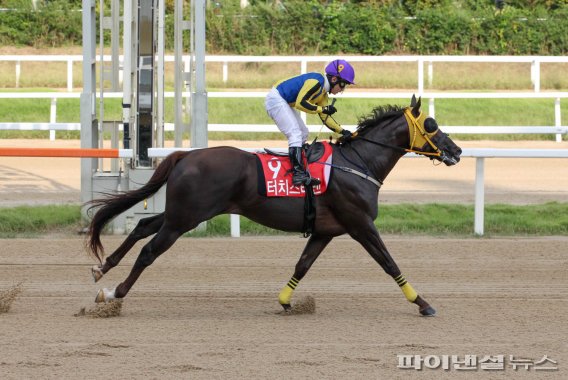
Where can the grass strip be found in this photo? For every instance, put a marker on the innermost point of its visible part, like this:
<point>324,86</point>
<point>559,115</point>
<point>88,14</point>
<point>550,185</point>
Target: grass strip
<point>548,219</point>
<point>31,221</point>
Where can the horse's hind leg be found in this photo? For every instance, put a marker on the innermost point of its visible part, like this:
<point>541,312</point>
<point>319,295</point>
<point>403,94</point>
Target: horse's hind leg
<point>313,248</point>
<point>144,228</point>
<point>163,240</point>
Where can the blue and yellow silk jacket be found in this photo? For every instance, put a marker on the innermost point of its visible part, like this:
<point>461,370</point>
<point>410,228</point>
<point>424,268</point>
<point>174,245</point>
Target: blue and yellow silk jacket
<point>307,93</point>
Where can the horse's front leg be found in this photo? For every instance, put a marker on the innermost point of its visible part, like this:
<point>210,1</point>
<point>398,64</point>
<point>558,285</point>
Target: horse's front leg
<point>369,238</point>
<point>144,228</point>
<point>313,248</point>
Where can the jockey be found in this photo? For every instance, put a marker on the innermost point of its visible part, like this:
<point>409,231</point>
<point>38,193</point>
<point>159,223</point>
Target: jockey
<point>308,93</point>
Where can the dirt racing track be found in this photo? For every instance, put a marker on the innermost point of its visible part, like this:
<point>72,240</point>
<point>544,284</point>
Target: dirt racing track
<point>207,309</point>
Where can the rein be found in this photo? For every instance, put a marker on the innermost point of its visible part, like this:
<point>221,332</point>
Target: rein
<point>402,150</point>
<point>346,169</point>
<point>417,132</point>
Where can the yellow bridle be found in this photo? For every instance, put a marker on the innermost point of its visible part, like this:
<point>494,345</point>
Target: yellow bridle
<point>418,135</point>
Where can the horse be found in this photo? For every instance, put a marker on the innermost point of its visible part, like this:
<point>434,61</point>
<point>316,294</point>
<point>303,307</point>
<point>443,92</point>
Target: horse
<point>223,180</point>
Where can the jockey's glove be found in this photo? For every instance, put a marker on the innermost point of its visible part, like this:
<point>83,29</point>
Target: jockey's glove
<point>346,134</point>
<point>329,110</point>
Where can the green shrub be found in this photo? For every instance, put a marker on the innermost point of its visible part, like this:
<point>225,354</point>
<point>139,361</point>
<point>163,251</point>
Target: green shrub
<point>533,27</point>
<point>54,23</point>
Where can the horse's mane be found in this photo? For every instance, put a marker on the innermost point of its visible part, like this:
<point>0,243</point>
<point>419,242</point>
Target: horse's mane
<point>377,115</point>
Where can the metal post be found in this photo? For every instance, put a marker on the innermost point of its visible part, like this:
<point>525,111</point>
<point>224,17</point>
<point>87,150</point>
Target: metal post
<point>187,76</point>
<point>198,126</point>
<point>179,125</point>
<point>145,98</point>
<point>88,121</point>
<point>160,75</point>
<point>115,45</point>
<point>128,118</point>
<point>101,78</point>
<point>479,195</point>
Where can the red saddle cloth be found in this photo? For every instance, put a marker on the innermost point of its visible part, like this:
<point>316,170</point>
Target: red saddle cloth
<point>275,174</point>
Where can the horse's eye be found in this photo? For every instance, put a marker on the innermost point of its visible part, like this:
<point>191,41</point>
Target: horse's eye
<point>430,125</point>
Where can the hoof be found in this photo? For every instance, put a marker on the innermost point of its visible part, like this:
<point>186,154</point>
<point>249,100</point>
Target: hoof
<point>287,307</point>
<point>104,295</point>
<point>100,298</point>
<point>97,273</point>
<point>424,307</point>
<point>428,311</point>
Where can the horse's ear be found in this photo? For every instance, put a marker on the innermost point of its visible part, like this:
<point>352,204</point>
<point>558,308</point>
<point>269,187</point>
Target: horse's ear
<point>413,101</point>
<point>415,104</point>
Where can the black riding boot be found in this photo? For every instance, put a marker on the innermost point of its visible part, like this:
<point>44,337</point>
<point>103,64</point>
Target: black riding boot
<point>299,175</point>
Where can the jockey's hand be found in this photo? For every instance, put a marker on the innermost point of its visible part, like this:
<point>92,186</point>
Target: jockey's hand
<point>346,135</point>
<point>329,110</point>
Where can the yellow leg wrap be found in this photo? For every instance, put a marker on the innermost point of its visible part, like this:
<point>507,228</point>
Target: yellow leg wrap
<point>286,292</point>
<point>407,289</point>
<point>409,292</point>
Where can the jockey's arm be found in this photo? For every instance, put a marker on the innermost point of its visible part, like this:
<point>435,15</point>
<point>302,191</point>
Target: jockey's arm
<point>304,103</point>
<point>330,122</point>
<point>309,91</point>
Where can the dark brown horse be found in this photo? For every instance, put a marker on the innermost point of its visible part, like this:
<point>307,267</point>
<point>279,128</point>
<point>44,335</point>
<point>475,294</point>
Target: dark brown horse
<point>204,183</point>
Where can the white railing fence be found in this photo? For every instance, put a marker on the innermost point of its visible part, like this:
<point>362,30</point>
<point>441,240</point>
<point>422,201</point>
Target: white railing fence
<point>558,129</point>
<point>421,61</point>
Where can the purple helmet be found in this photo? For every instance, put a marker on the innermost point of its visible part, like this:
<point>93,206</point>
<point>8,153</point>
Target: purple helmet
<point>342,69</point>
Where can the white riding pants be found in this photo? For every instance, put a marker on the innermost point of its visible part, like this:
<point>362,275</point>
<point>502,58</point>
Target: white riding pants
<point>287,119</point>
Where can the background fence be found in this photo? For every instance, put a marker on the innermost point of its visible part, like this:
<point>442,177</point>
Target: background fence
<point>421,62</point>
<point>558,129</point>
<point>425,73</point>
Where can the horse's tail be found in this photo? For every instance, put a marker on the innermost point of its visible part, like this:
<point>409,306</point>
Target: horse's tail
<point>115,204</point>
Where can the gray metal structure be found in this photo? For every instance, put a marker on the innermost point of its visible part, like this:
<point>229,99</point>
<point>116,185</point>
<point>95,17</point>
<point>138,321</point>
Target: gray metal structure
<point>143,96</point>
<point>199,114</point>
